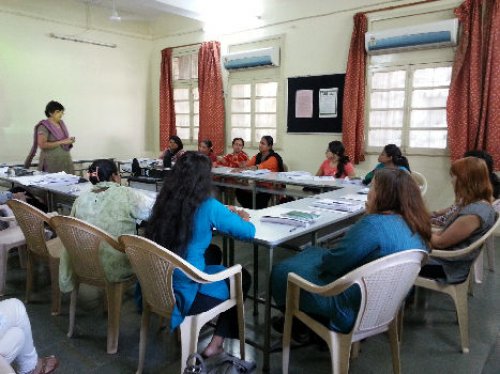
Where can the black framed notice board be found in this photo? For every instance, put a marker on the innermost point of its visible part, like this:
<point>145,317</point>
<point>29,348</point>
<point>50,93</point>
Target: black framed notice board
<point>315,104</point>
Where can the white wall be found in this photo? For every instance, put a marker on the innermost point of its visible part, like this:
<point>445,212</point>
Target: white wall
<point>314,46</point>
<point>105,91</point>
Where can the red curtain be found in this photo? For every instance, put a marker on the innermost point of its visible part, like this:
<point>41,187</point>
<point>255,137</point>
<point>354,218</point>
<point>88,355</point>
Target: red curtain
<point>167,109</point>
<point>211,95</point>
<point>353,121</point>
<point>464,99</point>
<point>489,125</point>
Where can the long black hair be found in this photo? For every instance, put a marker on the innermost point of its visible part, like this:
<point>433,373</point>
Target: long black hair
<point>184,189</point>
<point>102,170</point>
<point>393,151</point>
<point>270,141</point>
<point>337,148</point>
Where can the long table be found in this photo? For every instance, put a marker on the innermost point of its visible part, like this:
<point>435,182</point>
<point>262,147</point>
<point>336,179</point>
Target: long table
<point>268,235</point>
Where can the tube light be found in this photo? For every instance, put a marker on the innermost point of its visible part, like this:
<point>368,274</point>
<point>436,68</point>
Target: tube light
<point>80,40</point>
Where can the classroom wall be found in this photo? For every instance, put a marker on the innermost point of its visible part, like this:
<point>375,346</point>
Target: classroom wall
<point>312,46</point>
<point>105,91</point>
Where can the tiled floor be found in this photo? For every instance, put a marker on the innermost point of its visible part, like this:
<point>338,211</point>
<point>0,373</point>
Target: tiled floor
<point>430,341</point>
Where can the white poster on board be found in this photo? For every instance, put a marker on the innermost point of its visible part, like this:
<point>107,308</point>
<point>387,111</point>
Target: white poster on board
<point>328,102</point>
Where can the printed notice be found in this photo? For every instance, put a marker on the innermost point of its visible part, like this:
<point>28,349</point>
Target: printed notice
<point>328,102</point>
<point>304,104</point>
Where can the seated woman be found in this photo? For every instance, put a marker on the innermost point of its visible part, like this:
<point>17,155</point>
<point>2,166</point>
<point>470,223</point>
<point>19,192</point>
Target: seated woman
<point>16,341</point>
<point>396,220</point>
<point>473,218</point>
<point>265,159</point>
<point>114,209</point>
<point>206,147</point>
<point>237,159</point>
<point>337,163</point>
<point>173,152</point>
<point>182,220</point>
<point>391,157</point>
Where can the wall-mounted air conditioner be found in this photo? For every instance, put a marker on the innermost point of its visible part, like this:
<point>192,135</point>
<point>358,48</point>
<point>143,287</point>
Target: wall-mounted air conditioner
<point>428,35</point>
<point>250,59</point>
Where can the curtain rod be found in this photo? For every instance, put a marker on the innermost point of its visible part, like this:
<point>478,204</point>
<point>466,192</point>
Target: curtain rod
<point>398,6</point>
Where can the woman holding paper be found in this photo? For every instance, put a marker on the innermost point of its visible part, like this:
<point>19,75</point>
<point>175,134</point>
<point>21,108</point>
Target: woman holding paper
<point>396,220</point>
<point>268,159</point>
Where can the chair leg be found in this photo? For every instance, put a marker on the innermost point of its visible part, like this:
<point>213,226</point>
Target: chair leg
<point>287,334</point>
<point>355,347</point>
<point>4,254</point>
<point>143,337</point>
<point>462,306</point>
<point>241,315</point>
<point>30,273</point>
<point>490,252</point>
<point>340,350</point>
<point>189,339</point>
<point>114,293</point>
<point>54,284</point>
<point>72,310</point>
<point>394,340</point>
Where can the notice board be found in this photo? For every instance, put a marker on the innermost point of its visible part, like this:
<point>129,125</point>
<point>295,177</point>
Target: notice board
<point>315,104</point>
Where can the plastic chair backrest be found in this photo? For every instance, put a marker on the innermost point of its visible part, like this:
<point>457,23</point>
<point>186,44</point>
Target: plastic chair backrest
<point>32,222</point>
<point>82,242</point>
<point>383,283</point>
<point>154,266</point>
<point>420,180</point>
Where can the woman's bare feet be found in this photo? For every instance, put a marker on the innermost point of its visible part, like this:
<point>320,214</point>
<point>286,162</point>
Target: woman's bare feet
<point>46,365</point>
<point>214,347</point>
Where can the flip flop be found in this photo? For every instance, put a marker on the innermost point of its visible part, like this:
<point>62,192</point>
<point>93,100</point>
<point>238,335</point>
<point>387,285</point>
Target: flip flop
<point>48,365</point>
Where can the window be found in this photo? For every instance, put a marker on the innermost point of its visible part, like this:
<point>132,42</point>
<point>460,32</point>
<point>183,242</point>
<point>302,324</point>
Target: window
<point>253,110</point>
<point>407,107</point>
<point>186,98</point>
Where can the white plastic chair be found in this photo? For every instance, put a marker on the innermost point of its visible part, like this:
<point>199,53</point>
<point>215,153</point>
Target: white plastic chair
<point>154,266</point>
<point>384,283</point>
<point>10,238</point>
<point>490,242</point>
<point>420,180</point>
<point>5,367</point>
<point>458,292</point>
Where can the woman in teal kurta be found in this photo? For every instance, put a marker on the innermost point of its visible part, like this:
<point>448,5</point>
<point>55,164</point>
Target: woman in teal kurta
<point>182,221</point>
<point>113,208</point>
<point>396,220</point>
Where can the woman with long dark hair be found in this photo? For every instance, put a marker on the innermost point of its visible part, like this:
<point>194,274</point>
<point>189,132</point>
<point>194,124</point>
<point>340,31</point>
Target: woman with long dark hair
<point>172,153</point>
<point>182,221</point>
<point>337,163</point>
<point>268,159</point>
<point>390,157</point>
<point>396,220</point>
<point>206,147</point>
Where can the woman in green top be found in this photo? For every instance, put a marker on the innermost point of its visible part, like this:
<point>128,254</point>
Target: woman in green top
<point>114,209</point>
<point>52,136</point>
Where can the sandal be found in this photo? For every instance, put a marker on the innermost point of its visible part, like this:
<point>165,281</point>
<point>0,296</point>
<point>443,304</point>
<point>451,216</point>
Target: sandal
<point>46,365</point>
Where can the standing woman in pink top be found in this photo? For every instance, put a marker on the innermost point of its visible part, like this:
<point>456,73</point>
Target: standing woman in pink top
<point>337,163</point>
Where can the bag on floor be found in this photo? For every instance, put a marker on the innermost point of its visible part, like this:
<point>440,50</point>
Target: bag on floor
<point>219,364</point>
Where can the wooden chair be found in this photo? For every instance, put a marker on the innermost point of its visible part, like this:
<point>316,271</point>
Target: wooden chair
<point>82,242</point>
<point>154,266</point>
<point>10,238</point>
<point>33,223</point>
<point>384,283</point>
<point>421,181</point>
<point>458,292</point>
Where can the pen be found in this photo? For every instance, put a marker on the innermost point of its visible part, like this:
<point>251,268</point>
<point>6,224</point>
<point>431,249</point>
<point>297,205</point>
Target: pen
<point>293,229</point>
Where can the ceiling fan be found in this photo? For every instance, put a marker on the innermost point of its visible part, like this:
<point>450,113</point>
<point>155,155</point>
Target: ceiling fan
<point>116,17</point>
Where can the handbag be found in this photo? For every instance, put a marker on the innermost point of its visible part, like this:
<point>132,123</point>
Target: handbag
<point>219,364</point>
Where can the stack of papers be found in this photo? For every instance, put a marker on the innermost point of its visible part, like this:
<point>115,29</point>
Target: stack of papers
<point>339,205</point>
<point>256,172</point>
<point>53,179</point>
<point>295,175</point>
<point>296,218</point>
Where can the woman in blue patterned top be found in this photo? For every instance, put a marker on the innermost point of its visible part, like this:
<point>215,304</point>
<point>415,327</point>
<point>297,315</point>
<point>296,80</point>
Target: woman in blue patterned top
<point>182,221</point>
<point>390,157</point>
<point>396,220</point>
